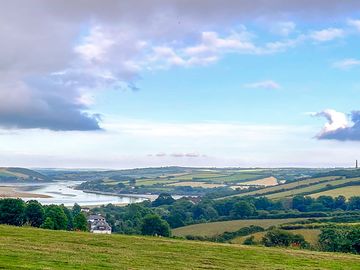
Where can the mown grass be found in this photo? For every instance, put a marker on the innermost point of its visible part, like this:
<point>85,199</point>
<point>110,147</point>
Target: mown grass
<point>29,248</point>
<point>216,228</point>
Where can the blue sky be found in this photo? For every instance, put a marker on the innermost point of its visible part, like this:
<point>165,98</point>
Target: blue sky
<point>122,84</point>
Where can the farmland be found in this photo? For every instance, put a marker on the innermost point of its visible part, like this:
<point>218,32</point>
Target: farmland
<point>347,192</point>
<point>71,250</point>
<point>216,228</point>
<point>186,181</point>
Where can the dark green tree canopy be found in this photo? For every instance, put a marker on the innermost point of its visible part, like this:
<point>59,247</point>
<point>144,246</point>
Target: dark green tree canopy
<point>154,225</point>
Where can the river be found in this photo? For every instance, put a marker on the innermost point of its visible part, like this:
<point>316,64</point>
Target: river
<point>63,192</point>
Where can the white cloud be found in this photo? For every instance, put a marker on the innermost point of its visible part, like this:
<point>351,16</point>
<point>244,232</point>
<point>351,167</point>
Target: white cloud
<point>354,23</point>
<point>283,28</point>
<point>327,34</point>
<point>268,84</point>
<point>336,120</point>
<point>346,63</point>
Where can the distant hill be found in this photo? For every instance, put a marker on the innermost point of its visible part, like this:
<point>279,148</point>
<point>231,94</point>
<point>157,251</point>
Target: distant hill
<point>29,248</point>
<point>14,174</point>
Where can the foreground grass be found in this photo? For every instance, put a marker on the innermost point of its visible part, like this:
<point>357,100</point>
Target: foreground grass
<point>216,228</point>
<point>28,248</point>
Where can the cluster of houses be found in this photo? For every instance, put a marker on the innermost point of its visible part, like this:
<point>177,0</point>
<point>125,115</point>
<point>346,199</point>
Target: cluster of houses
<point>98,224</point>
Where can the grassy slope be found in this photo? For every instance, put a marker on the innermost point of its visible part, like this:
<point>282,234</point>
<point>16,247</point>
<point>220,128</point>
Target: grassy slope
<point>288,186</point>
<point>22,173</point>
<point>312,188</point>
<point>28,248</point>
<point>348,192</point>
<point>310,235</point>
<point>215,228</point>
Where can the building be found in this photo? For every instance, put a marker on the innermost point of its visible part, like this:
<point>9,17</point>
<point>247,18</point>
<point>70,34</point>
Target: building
<point>98,224</point>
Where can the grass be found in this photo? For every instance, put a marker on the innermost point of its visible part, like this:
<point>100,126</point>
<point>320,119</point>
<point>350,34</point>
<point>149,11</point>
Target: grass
<point>313,188</point>
<point>348,192</point>
<point>195,184</point>
<point>289,186</point>
<point>29,248</point>
<point>215,228</point>
<point>310,235</point>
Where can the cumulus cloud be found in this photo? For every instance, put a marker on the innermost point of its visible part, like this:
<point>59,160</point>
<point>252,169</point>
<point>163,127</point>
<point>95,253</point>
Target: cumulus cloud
<point>339,126</point>
<point>346,63</point>
<point>327,34</point>
<point>268,84</point>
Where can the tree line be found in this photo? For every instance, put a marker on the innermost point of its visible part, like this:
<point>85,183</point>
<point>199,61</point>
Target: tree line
<point>55,217</point>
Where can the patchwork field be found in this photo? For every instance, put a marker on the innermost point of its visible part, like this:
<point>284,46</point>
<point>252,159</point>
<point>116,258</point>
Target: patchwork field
<point>348,192</point>
<point>215,228</point>
<point>28,248</point>
<point>311,189</point>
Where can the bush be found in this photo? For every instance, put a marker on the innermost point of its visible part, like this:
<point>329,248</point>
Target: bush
<point>283,238</point>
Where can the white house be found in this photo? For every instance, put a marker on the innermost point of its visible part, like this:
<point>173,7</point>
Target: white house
<point>98,224</point>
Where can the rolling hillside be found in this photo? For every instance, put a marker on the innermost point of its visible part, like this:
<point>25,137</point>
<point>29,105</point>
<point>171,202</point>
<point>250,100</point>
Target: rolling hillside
<point>216,228</point>
<point>29,248</point>
<point>13,174</point>
<point>303,187</point>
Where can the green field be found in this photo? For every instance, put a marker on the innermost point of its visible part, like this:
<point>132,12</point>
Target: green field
<point>311,189</point>
<point>348,192</point>
<point>216,228</point>
<point>289,186</point>
<point>311,236</point>
<point>29,248</point>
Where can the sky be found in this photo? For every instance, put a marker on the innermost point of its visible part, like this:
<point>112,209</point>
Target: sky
<point>125,84</point>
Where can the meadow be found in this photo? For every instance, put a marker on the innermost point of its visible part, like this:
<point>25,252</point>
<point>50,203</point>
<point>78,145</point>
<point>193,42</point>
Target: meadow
<point>30,248</point>
<point>216,228</point>
<point>347,192</point>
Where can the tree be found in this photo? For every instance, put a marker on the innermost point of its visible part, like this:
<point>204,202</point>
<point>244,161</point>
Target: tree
<point>48,224</point>
<point>283,238</point>
<point>57,215</point>
<point>163,199</point>
<point>154,225</point>
<point>76,210</point>
<point>80,222</point>
<point>302,203</point>
<point>242,209</point>
<point>70,219</point>
<point>12,212</point>
<point>326,201</point>
<point>249,241</point>
<point>34,213</point>
<point>354,203</point>
<point>340,239</point>
<point>340,202</point>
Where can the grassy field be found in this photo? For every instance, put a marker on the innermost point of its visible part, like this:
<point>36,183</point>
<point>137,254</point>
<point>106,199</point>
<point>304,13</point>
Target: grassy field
<point>345,191</point>
<point>195,184</point>
<point>313,188</point>
<point>310,236</point>
<point>28,248</point>
<point>215,228</point>
<point>289,186</point>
